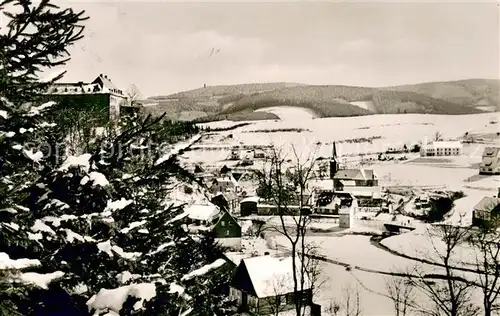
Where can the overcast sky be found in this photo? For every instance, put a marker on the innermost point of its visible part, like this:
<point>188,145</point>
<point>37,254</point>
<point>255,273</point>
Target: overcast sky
<point>170,47</point>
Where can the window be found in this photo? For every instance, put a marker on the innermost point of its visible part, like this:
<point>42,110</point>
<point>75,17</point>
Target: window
<point>222,223</point>
<point>227,232</point>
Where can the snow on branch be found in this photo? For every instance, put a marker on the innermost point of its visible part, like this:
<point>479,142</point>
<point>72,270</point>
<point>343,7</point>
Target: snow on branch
<point>204,270</point>
<point>114,299</point>
<point>7,263</point>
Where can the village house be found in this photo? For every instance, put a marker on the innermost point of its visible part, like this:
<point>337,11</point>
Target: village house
<point>441,148</point>
<point>101,95</point>
<point>490,163</point>
<point>211,219</point>
<point>486,210</point>
<point>264,285</point>
<point>330,202</point>
<point>226,182</point>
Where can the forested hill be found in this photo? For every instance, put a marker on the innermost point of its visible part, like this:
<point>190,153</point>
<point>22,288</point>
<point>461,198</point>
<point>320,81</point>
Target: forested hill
<point>240,101</point>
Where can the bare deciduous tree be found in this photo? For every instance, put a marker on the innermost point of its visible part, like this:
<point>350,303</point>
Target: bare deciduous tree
<point>449,293</point>
<point>284,183</point>
<point>348,305</point>
<point>402,294</point>
<point>438,136</point>
<point>485,241</point>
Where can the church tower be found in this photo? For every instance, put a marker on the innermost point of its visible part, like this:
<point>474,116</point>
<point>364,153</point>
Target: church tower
<point>334,165</point>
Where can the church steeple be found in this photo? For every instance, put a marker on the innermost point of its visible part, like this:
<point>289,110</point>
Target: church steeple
<point>334,165</point>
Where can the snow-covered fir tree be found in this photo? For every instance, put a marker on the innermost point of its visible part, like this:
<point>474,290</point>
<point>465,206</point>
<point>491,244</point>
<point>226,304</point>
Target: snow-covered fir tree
<point>99,232</point>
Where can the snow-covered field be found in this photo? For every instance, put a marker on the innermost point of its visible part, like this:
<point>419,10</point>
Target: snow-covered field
<point>394,130</point>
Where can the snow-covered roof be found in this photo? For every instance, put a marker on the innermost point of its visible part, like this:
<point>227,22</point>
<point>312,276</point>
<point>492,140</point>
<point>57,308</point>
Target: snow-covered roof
<point>254,199</point>
<point>236,257</point>
<point>491,152</point>
<point>202,212</point>
<point>355,174</point>
<point>333,204</point>
<point>487,204</point>
<point>273,276</point>
<point>107,85</point>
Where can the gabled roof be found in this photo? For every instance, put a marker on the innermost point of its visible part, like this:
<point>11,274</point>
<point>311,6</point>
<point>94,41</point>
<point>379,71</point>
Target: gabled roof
<point>226,213</point>
<point>273,276</point>
<point>487,204</point>
<point>107,85</point>
<point>202,212</point>
<point>355,174</point>
<point>236,257</point>
<point>491,152</point>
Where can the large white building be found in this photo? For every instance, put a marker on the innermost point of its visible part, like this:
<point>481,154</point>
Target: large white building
<point>490,163</point>
<point>100,92</point>
<point>442,148</point>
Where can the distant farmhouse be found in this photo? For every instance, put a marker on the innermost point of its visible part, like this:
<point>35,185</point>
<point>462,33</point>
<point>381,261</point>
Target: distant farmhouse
<point>490,163</point>
<point>100,96</point>
<point>441,148</point>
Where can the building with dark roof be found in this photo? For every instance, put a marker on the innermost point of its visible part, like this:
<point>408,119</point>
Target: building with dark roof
<point>99,96</point>
<point>490,162</point>
<point>486,210</point>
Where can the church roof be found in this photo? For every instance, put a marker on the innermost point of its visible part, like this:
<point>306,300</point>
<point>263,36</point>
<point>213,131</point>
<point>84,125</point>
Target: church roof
<point>355,174</point>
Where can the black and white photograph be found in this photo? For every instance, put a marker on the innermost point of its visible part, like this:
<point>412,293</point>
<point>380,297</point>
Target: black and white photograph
<point>249,158</point>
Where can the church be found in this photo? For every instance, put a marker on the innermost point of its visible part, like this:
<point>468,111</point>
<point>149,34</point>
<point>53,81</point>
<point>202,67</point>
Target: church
<point>361,183</point>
